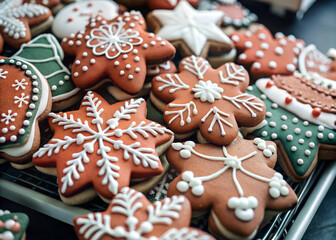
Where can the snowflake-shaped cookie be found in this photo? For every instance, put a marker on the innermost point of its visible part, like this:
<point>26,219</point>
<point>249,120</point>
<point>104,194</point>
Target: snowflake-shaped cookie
<point>131,216</point>
<point>236,183</point>
<point>13,225</point>
<point>301,117</point>
<point>193,31</point>
<point>168,4</point>
<point>102,144</point>
<point>266,55</point>
<point>119,49</point>
<point>211,100</point>
<point>24,100</point>
<point>15,18</point>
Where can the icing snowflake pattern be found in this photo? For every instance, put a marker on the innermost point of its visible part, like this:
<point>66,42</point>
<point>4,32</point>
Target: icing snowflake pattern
<point>129,203</point>
<point>3,73</point>
<point>113,40</point>
<point>9,117</point>
<point>23,99</point>
<point>20,84</point>
<point>99,142</point>
<point>208,99</point>
<point>239,174</point>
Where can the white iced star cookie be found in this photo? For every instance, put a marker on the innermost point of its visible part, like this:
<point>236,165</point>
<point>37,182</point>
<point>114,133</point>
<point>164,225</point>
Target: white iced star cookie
<point>194,32</point>
<point>74,17</point>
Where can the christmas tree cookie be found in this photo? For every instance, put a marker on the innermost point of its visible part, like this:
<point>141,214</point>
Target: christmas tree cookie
<point>13,225</point>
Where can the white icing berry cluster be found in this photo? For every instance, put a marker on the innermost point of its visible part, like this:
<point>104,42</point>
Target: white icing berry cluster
<point>268,151</point>
<point>243,207</point>
<point>278,186</point>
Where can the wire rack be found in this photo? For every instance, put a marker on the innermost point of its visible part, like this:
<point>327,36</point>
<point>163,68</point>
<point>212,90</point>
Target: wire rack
<point>276,228</point>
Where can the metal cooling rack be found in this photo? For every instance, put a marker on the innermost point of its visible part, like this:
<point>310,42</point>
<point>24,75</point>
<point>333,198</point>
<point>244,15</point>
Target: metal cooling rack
<point>39,191</point>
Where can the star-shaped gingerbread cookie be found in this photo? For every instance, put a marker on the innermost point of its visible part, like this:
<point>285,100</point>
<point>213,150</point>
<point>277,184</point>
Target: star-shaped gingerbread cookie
<point>301,118</point>
<point>131,216</point>
<point>118,49</point>
<point>265,55</point>
<point>102,146</point>
<point>209,101</point>
<point>194,32</point>
<point>15,19</point>
<point>236,183</point>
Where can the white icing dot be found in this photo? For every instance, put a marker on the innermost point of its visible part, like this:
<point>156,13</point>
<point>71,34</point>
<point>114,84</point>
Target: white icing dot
<point>263,96</point>
<point>331,136</point>
<point>78,42</point>
<point>248,44</point>
<point>272,64</point>
<point>22,131</point>
<point>152,43</point>
<point>163,43</point>
<point>71,43</point>
<point>92,61</point>
<point>135,51</point>
<point>5,130</point>
<point>256,65</point>
<point>235,38</point>
<point>301,141</point>
<point>26,122</point>
<point>122,72</point>
<point>309,134</point>
<point>262,36</point>
<point>320,128</point>
<point>242,56</point>
<point>279,51</point>
<point>35,98</point>
<point>274,105</point>
<point>61,82</point>
<point>77,62</point>
<point>85,54</point>
<point>116,63</point>
<point>54,87</point>
<point>76,74</point>
<point>28,72</point>
<point>137,69</point>
<point>307,152</point>
<point>320,135</point>
<point>274,135</point>
<point>35,83</point>
<point>284,117</point>
<point>293,149</point>
<point>297,130</point>
<point>289,137</point>
<point>259,54</point>
<point>32,106</point>
<point>311,145</point>
<point>290,67</point>
<point>137,59</point>
<point>29,114</point>
<point>268,114</point>
<point>264,46</point>
<point>305,123</point>
<point>125,56</point>
<point>283,42</point>
<point>145,45</point>
<point>128,66</point>
<point>2,139</point>
<point>295,120</point>
<point>36,90</point>
<point>264,133</point>
<point>13,138</point>
<point>284,127</point>
<point>250,88</point>
<point>272,124</point>
<point>267,153</point>
<point>130,77</point>
<point>300,161</point>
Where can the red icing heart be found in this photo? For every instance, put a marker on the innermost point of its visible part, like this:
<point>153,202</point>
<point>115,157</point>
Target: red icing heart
<point>269,84</point>
<point>288,100</point>
<point>70,19</point>
<point>316,112</point>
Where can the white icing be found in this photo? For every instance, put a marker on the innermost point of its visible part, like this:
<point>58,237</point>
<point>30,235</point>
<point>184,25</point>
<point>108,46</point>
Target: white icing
<point>234,75</point>
<point>98,139</point>
<point>68,21</point>
<point>197,66</point>
<point>207,91</point>
<point>9,117</point>
<point>302,110</point>
<point>174,85</point>
<point>217,118</point>
<point>195,27</point>
<point>113,39</point>
<point>242,205</point>
<point>3,73</point>
<point>179,113</point>
<point>128,203</point>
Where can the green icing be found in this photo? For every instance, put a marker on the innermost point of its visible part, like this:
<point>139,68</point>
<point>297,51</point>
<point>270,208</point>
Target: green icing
<point>319,135</point>
<point>23,220</point>
<point>46,54</point>
<point>21,139</point>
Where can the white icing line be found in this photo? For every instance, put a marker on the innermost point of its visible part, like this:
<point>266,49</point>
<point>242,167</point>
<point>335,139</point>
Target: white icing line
<point>302,110</point>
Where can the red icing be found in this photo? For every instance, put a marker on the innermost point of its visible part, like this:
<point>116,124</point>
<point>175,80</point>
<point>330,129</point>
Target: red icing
<point>2,225</point>
<point>90,4</point>
<point>316,112</point>
<point>288,100</point>
<point>269,84</point>
<point>15,218</point>
<point>70,19</point>
<point>16,227</point>
<point>75,9</point>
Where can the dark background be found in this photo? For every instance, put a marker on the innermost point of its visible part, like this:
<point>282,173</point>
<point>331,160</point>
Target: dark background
<point>318,27</point>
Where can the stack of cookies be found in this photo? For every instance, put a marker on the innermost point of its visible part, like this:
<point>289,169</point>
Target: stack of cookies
<point>130,98</point>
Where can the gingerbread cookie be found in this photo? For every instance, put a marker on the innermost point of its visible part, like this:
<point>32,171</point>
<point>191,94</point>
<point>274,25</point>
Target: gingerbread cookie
<point>46,3</point>
<point>131,216</point>
<point>156,69</point>
<point>25,99</point>
<point>118,49</point>
<point>321,68</point>
<point>209,101</point>
<point>46,54</point>
<point>168,4</point>
<point>236,183</point>
<point>102,145</point>
<point>17,18</point>
<point>301,118</point>
<point>13,225</point>
<point>265,55</point>
<point>194,32</point>
<point>75,16</point>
